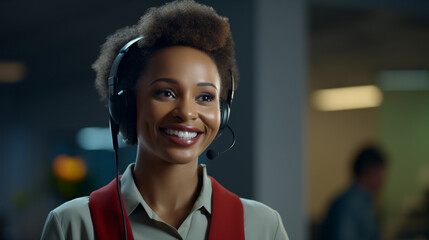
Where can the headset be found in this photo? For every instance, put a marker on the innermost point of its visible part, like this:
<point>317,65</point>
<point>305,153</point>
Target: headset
<point>123,116</point>
<point>122,101</point>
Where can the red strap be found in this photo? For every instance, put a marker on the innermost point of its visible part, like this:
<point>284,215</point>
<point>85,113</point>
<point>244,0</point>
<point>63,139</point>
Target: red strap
<point>227,220</point>
<point>106,213</point>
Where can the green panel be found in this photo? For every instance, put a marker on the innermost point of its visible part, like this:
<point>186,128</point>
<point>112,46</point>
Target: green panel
<point>404,126</point>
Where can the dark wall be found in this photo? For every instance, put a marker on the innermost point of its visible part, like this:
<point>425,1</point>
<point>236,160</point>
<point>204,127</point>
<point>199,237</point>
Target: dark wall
<point>39,116</point>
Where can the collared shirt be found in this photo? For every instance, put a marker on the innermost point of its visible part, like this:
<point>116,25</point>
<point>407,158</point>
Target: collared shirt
<point>72,220</point>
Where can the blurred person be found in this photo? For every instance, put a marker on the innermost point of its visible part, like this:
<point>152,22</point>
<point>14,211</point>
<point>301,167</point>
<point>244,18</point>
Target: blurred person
<point>352,215</point>
<point>170,93</point>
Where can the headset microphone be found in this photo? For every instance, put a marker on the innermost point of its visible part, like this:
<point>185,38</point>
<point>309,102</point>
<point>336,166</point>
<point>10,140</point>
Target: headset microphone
<point>213,153</point>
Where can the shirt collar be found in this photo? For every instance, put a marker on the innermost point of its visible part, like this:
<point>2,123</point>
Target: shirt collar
<point>130,194</point>
<point>132,197</point>
<point>204,200</point>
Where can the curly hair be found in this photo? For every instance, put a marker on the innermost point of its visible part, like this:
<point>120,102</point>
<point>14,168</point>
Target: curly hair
<point>182,22</point>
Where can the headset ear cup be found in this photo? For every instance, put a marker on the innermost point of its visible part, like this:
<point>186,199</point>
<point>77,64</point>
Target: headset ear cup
<point>127,124</point>
<point>224,115</point>
<point>131,119</point>
<point>114,108</point>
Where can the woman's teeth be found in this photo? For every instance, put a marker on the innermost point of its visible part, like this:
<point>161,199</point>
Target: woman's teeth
<point>181,134</point>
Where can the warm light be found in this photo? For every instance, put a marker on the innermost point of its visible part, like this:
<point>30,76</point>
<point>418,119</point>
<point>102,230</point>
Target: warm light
<point>347,98</point>
<point>69,168</point>
<point>11,72</point>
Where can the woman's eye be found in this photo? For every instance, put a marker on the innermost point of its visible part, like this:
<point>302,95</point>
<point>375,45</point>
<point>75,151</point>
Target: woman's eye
<point>165,93</point>
<point>206,98</point>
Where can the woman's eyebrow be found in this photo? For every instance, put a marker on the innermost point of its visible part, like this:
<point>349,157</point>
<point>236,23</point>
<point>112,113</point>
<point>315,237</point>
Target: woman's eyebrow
<point>206,84</point>
<point>168,80</point>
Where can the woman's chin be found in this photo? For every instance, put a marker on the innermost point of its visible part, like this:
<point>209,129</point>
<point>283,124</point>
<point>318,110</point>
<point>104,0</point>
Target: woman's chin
<point>181,157</point>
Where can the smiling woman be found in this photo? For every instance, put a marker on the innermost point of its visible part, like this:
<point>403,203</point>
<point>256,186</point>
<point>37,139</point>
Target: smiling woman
<point>177,105</point>
<point>169,93</point>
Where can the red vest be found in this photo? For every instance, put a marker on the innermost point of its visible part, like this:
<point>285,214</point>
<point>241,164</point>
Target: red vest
<point>227,220</point>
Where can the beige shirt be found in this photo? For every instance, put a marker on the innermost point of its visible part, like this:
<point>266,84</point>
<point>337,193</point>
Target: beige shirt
<point>72,220</point>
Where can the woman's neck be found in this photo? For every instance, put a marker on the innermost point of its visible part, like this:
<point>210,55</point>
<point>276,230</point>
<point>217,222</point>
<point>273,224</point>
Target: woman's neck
<point>169,189</point>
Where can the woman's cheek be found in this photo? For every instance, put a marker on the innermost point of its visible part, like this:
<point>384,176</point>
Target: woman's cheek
<point>212,119</point>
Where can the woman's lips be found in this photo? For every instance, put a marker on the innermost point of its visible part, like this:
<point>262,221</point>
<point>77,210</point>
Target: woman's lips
<point>182,135</point>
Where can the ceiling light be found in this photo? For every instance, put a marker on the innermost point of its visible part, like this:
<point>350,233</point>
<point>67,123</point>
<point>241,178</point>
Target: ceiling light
<point>347,98</point>
<point>96,138</point>
<point>403,80</point>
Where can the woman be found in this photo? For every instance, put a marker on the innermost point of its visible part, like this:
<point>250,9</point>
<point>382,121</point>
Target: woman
<point>175,68</point>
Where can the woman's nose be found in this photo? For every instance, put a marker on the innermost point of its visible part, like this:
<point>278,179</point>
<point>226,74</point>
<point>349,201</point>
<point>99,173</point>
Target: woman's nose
<point>186,110</point>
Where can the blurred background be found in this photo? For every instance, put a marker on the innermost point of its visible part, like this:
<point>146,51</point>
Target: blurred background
<point>298,116</point>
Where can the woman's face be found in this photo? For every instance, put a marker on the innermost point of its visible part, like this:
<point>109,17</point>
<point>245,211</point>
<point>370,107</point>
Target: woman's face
<point>178,112</point>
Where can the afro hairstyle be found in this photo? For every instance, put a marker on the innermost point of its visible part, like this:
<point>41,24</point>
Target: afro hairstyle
<point>182,22</point>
